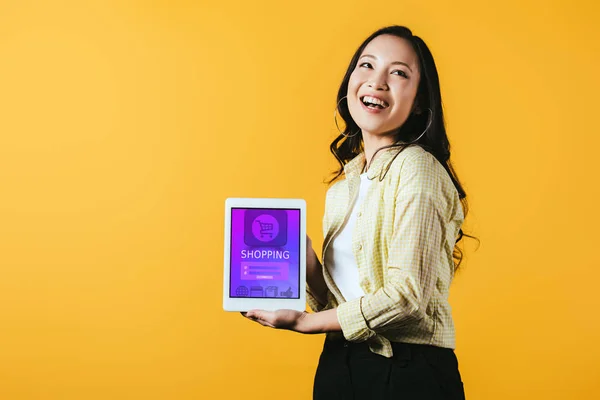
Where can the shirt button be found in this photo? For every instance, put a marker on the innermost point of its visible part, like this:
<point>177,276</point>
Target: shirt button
<point>359,214</point>
<point>360,246</point>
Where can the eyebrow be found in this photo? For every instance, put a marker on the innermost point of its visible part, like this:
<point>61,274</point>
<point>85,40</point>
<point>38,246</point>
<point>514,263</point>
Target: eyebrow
<point>395,62</point>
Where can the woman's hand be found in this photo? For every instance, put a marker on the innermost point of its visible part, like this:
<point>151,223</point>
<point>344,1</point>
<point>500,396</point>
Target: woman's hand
<point>302,322</point>
<point>281,319</point>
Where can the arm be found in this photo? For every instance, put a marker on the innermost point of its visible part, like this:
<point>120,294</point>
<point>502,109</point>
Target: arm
<point>318,322</point>
<point>316,289</point>
<point>302,322</point>
<point>316,286</point>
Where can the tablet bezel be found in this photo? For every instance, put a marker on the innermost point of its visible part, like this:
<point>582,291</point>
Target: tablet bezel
<point>271,304</point>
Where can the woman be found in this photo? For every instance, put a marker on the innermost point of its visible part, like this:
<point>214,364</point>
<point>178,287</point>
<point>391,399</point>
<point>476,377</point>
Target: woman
<point>390,228</point>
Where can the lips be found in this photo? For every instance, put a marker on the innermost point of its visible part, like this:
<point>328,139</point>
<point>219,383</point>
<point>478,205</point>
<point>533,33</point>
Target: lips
<point>371,110</point>
<point>374,105</point>
<point>374,101</point>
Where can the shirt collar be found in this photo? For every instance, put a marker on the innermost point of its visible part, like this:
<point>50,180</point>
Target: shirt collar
<point>356,166</point>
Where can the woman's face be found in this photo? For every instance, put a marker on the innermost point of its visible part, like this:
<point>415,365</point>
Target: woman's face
<point>387,74</point>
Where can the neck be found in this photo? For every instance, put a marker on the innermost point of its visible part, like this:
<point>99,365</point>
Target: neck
<point>372,143</point>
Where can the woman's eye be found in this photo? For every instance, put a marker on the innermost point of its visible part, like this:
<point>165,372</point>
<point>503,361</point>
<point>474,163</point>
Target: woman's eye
<point>398,72</point>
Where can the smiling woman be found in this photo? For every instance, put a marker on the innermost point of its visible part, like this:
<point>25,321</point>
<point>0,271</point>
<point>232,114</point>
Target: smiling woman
<point>391,228</point>
<point>383,83</point>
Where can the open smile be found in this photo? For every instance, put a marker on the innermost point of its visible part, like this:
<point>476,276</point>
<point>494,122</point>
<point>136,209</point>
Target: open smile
<point>373,104</point>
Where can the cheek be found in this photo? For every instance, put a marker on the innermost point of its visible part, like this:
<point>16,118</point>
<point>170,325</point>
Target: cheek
<point>353,83</point>
<point>404,94</point>
<point>410,89</point>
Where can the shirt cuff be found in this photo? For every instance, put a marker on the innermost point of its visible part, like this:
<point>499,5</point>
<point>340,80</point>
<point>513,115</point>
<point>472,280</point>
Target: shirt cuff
<point>353,323</point>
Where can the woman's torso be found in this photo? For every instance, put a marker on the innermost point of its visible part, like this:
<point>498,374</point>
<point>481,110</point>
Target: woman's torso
<point>373,232</point>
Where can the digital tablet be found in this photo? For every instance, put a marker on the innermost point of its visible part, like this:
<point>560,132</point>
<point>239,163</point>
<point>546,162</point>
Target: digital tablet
<point>265,254</point>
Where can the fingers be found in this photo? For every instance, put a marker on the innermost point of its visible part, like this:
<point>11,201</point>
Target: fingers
<point>258,314</point>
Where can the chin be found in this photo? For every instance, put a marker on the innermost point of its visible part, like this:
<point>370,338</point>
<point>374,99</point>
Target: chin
<point>372,129</point>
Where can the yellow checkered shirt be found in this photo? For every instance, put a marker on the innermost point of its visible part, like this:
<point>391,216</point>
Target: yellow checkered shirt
<point>403,241</point>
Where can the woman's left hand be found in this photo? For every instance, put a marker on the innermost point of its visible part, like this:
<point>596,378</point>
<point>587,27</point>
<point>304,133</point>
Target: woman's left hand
<point>281,319</point>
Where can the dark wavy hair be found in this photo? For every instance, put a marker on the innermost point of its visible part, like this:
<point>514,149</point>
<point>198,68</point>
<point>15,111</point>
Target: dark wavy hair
<point>434,141</point>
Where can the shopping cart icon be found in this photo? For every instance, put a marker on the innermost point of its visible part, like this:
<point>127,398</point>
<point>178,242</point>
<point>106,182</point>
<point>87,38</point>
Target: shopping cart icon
<point>265,228</point>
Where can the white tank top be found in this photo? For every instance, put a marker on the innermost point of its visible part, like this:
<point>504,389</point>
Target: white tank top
<point>339,258</point>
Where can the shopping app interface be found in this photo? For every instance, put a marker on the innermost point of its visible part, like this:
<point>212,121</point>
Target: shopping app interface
<point>265,253</point>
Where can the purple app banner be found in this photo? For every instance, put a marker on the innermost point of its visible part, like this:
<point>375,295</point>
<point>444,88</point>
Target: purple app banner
<point>265,253</point>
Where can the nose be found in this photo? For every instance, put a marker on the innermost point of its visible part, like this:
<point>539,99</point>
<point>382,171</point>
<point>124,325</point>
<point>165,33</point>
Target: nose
<point>378,82</point>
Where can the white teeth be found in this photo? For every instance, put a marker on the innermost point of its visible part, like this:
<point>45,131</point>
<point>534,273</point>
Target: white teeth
<point>373,100</point>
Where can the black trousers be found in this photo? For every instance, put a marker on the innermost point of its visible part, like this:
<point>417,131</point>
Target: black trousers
<point>350,371</point>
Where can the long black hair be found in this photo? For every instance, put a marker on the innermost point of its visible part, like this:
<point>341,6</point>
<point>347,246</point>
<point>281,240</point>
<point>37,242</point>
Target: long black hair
<point>428,97</point>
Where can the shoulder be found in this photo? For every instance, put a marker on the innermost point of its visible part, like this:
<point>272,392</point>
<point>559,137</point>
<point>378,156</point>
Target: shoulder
<point>414,162</point>
<point>335,202</point>
<point>420,172</point>
<point>335,190</point>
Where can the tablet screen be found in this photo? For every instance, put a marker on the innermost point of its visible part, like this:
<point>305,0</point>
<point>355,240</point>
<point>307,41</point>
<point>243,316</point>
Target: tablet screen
<point>265,253</point>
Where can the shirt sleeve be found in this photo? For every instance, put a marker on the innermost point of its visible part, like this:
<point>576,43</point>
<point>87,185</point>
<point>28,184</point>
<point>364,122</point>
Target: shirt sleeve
<point>413,254</point>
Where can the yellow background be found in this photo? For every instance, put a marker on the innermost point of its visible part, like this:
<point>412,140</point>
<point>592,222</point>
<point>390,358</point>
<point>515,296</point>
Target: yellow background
<point>123,128</point>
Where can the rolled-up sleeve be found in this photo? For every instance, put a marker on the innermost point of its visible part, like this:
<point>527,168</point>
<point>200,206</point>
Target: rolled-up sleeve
<point>414,253</point>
